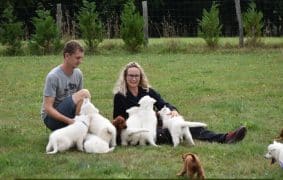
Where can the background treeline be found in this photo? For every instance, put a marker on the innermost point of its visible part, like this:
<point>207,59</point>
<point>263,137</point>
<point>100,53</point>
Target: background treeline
<point>167,18</point>
<point>94,21</point>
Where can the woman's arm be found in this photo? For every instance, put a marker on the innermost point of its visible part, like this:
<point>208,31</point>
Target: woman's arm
<point>160,103</point>
<point>119,107</point>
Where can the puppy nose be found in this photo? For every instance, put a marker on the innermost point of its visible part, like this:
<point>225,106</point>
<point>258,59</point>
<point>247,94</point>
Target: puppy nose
<point>126,126</point>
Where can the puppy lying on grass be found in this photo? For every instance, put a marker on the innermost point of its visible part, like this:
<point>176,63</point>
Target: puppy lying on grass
<point>95,144</point>
<point>192,166</point>
<point>275,153</point>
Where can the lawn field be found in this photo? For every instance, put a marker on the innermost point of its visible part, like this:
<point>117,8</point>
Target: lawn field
<point>223,89</point>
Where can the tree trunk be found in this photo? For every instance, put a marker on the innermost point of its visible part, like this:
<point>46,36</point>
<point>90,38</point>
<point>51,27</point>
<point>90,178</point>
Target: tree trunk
<point>239,17</point>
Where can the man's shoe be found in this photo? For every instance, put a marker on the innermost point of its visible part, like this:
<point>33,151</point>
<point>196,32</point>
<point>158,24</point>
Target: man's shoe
<point>236,136</point>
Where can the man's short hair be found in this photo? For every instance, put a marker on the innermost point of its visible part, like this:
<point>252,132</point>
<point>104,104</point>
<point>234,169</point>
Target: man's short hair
<point>72,46</point>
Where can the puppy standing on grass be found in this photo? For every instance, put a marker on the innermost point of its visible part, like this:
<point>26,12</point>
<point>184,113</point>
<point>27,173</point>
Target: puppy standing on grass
<point>65,138</point>
<point>141,124</point>
<point>178,127</point>
<point>99,125</point>
<point>192,166</point>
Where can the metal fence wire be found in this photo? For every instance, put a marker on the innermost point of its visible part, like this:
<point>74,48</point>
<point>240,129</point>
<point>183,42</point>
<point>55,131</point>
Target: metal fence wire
<point>166,18</point>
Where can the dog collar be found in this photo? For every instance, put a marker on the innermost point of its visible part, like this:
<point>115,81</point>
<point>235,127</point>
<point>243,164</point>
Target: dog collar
<point>281,164</point>
<point>84,124</point>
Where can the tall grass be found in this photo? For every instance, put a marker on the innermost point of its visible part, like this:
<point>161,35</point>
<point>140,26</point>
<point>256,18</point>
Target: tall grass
<point>224,90</point>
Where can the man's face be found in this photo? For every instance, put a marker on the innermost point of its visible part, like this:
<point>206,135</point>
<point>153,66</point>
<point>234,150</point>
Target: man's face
<point>75,59</point>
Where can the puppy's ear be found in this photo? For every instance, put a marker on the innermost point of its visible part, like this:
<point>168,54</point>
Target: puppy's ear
<point>184,156</point>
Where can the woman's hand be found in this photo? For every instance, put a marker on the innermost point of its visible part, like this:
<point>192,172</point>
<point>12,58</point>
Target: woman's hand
<point>174,113</point>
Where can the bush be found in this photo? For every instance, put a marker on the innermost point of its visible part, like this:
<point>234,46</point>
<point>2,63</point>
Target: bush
<point>90,26</point>
<point>252,21</point>
<point>46,39</point>
<point>11,32</point>
<point>131,27</point>
<point>209,26</point>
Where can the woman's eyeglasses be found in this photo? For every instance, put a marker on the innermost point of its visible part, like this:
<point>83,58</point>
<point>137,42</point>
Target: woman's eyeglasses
<point>132,76</point>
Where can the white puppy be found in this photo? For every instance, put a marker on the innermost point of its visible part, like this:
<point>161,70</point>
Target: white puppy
<point>141,118</point>
<point>95,144</point>
<point>131,134</point>
<point>65,138</point>
<point>100,125</point>
<point>178,127</point>
<point>275,153</point>
<point>148,120</point>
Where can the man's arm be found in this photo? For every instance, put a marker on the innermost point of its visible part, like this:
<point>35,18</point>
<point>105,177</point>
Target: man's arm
<point>51,111</point>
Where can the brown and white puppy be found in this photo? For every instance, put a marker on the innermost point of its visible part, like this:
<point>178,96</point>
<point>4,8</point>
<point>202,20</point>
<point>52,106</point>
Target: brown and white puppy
<point>120,123</point>
<point>192,166</point>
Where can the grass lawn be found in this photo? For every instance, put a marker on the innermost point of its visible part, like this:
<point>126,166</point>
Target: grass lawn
<point>223,89</point>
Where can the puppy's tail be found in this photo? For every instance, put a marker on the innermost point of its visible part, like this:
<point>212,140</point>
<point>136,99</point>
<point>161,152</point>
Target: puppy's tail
<point>111,149</point>
<point>133,131</point>
<point>193,124</point>
<point>50,146</point>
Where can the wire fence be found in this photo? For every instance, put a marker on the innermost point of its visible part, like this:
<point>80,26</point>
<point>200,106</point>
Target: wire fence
<point>178,18</point>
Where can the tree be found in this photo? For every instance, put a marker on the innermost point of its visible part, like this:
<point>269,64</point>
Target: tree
<point>46,38</point>
<point>11,31</point>
<point>209,26</point>
<point>90,25</point>
<point>253,24</point>
<point>132,27</point>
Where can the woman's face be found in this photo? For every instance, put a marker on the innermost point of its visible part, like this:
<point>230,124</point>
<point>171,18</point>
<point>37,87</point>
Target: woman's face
<point>133,77</point>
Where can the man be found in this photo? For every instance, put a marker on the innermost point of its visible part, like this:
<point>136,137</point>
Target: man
<point>63,92</point>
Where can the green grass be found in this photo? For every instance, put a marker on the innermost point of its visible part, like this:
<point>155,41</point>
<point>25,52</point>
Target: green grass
<point>221,88</point>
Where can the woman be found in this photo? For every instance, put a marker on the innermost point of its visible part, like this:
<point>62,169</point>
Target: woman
<point>133,84</point>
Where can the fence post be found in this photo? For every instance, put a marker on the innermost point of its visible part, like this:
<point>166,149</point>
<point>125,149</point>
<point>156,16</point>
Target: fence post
<point>59,18</point>
<point>240,24</point>
<point>145,20</point>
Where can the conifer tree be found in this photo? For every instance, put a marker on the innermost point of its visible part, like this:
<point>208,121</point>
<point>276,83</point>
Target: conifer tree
<point>209,26</point>
<point>90,25</point>
<point>46,38</point>
<point>131,27</point>
<point>11,32</point>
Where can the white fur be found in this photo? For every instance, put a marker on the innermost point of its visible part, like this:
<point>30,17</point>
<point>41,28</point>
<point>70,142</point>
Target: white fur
<point>143,120</point>
<point>65,138</point>
<point>275,152</point>
<point>95,144</point>
<point>178,127</point>
<point>131,135</point>
<point>99,125</point>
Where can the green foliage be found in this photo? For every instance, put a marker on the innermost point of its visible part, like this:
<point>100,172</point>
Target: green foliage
<point>252,21</point>
<point>209,26</point>
<point>11,32</point>
<point>90,25</point>
<point>131,27</point>
<point>46,39</point>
